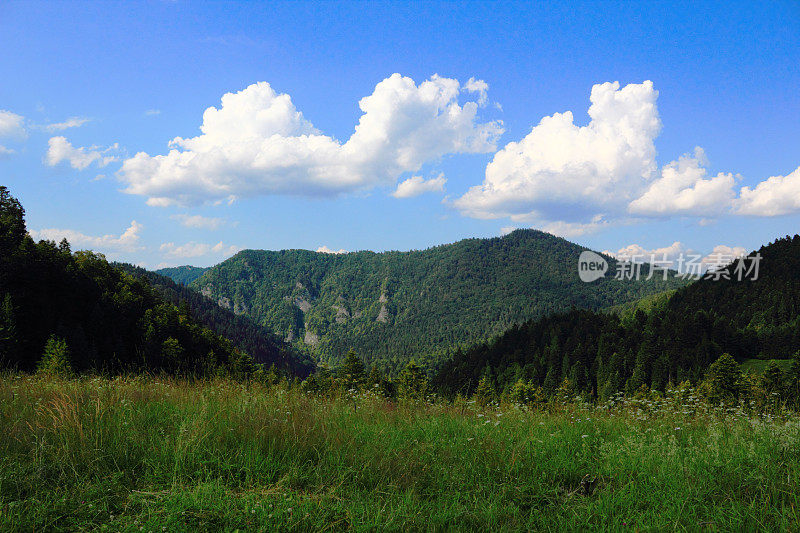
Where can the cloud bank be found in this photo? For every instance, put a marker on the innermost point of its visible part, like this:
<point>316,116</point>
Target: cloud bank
<point>128,241</point>
<point>572,180</point>
<point>258,143</point>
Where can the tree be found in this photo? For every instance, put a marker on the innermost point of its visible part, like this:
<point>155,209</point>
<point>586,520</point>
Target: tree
<point>772,380</point>
<point>352,373</point>
<point>413,383</point>
<point>723,380</point>
<point>484,392</point>
<point>172,353</point>
<point>55,359</point>
<point>8,330</point>
<point>12,222</point>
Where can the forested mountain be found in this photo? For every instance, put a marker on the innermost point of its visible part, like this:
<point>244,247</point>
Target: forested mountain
<point>264,346</point>
<point>84,314</point>
<point>394,306</point>
<point>183,274</point>
<point>677,338</point>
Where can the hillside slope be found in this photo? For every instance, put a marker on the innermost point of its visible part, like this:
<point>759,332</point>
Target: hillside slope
<point>393,306</point>
<point>264,346</point>
<point>673,340</point>
<point>91,315</point>
<point>183,275</point>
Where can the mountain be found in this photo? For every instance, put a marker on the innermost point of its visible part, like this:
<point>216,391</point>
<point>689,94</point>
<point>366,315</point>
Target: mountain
<point>394,306</point>
<point>667,338</point>
<point>90,316</point>
<point>264,346</point>
<point>183,275</point>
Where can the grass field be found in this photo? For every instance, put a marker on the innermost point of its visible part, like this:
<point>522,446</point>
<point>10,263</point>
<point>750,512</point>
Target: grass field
<point>147,454</point>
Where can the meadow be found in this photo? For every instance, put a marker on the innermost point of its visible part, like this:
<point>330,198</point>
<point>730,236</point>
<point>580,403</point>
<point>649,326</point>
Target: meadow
<point>166,454</point>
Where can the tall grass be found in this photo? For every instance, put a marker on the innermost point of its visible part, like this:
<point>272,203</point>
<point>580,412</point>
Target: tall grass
<point>160,454</point>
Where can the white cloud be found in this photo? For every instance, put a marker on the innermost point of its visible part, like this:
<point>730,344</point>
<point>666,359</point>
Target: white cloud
<point>326,250</point>
<point>722,255</point>
<point>564,172</point>
<point>72,122</point>
<point>480,87</point>
<point>59,149</point>
<point>257,143</point>
<point>563,229</point>
<point>416,185</point>
<point>505,230</point>
<point>128,241</point>
<point>677,255</point>
<point>152,112</point>
<point>639,253</point>
<point>197,249</point>
<point>778,195</point>
<point>12,125</point>
<point>685,189</point>
<point>198,221</point>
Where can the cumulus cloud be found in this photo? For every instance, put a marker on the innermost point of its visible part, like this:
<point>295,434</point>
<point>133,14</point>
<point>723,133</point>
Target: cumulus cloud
<point>60,149</point>
<point>416,185</point>
<point>678,256</point>
<point>722,254</point>
<point>505,230</point>
<point>562,171</point>
<point>197,249</point>
<point>128,241</point>
<point>326,250</point>
<point>778,195</point>
<point>198,221</point>
<point>258,143</point>
<point>639,253</point>
<point>575,229</point>
<point>685,189</point>
<point>72,122</point>
<point>12,125</point>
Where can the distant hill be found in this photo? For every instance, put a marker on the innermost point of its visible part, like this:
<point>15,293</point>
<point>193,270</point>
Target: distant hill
<point>182,274</point>
<point>665,338</point>
<point>394,306</point>
<point>257,341</point>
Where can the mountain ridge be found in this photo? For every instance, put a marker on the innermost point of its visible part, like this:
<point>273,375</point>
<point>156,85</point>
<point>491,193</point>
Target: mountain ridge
<point>393,306</point>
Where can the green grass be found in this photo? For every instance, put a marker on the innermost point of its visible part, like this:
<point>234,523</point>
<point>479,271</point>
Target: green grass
<point>758,366</point>
<point>140,454</point>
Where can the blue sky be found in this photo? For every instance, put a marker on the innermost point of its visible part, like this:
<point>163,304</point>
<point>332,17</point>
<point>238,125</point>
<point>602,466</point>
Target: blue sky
<point>88,86</point>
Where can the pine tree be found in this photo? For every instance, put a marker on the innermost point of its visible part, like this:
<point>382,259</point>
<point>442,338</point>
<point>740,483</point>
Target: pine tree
<point>413,383</point>
<point>352,372</point>
<point>484,392</point>
<point>723,379</point>
<point>55,359</point>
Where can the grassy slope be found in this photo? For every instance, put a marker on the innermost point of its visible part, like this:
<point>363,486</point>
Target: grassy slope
<point>154,455</point>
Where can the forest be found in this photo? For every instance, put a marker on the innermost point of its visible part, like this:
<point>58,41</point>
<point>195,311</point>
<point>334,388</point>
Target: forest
<point>392,307</point>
